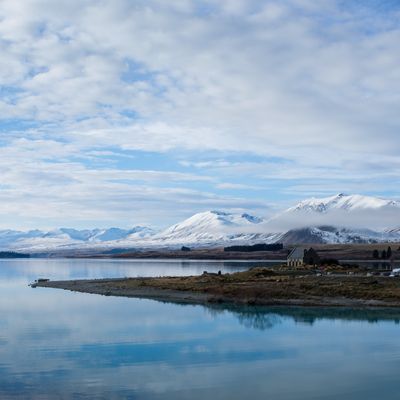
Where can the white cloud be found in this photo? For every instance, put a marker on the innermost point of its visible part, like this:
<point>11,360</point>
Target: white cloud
<point>238,186</point>
<point>41,186</point>
<point>313,83</point>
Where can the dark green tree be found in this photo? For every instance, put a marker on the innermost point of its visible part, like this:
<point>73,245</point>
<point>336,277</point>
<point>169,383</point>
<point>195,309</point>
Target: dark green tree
<point>375,254</point>
<point>383,254</point>
<point>389,252</point>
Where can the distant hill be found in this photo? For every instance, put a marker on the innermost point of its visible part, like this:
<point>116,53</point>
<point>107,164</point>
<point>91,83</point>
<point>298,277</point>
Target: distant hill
<point>11,254</point>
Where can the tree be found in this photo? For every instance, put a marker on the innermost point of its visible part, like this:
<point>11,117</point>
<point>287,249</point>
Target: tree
<point>389,252</point>
<point>375,254</point>
<point>383,254</point>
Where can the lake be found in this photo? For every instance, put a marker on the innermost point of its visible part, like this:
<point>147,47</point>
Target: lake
<point>58,344</point>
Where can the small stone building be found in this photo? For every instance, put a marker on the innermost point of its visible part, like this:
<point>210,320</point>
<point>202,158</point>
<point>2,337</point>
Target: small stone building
<point>302,256</point>
<point>296,257</point>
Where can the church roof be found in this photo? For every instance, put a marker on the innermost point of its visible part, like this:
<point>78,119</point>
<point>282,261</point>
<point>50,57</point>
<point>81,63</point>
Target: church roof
<point>297,253</point>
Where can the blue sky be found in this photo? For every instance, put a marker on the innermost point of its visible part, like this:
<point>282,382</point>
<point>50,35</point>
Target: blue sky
<point>124,112</point>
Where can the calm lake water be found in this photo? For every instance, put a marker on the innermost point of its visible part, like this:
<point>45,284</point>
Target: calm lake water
<point>56,344</point>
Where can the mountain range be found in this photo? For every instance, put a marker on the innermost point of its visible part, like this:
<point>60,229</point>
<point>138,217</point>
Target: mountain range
<point>336,219</point>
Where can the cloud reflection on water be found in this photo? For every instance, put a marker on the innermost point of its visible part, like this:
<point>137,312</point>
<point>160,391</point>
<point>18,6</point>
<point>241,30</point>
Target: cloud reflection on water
<point>58,344</point>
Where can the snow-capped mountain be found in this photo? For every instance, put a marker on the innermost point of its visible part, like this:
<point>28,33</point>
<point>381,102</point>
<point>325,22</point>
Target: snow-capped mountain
<point>9,237</point>
<point>67,237</point>
<point>214,226</point>
<point>343,202</point>
<point>349,211</point>
<point>336,219</point>
<point>207,228</point>
<point>140,233</point>
<point>334,235</point>
<point>111,234</point>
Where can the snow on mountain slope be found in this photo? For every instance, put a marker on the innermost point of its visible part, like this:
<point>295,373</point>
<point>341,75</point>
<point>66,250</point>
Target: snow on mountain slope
<point>111,234</point>
<point>8,237</point>
<point>343,202</point>
<point>334,235</point>
<point>140,233</point>
<point>336,219</point>
<point>213,226</point>
<point>71,234</point>
<point>350,211</point>
<point>67,237</point>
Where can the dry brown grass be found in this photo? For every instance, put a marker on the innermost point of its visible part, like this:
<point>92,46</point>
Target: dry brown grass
<point>259,285</point>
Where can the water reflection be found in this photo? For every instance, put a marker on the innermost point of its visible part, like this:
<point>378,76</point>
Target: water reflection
<point>58,344</point>
<point>263,317</point>
<point>88,268</point>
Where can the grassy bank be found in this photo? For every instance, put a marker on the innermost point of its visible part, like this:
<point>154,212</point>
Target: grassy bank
<point>262,286</point>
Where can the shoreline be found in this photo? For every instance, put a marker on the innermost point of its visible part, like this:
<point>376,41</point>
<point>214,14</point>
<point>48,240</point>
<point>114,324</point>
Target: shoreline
<point>258,286</point>
<point>342,252</point>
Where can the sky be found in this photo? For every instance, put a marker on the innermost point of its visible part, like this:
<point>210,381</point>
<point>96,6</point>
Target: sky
<point>134,112</point>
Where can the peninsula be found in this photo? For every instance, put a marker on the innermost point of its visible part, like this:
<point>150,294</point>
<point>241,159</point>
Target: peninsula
<point>334,286</point>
